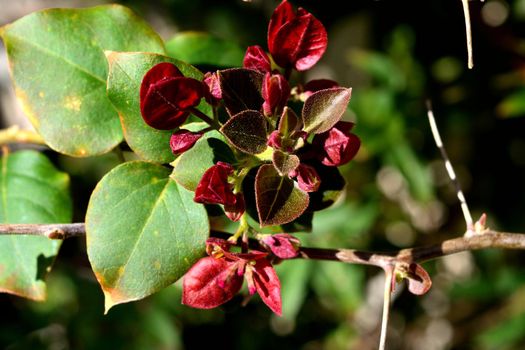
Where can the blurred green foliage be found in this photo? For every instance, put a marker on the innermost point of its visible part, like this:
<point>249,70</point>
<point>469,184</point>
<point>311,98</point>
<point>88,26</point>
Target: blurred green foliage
<point>395,55</point>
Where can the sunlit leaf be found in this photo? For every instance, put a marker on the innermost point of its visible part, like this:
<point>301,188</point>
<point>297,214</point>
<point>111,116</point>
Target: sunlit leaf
<point>144,231</point>
<point>59,70</point>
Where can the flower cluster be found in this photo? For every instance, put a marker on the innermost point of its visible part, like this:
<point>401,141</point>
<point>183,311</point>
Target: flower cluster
<point>285,159</point>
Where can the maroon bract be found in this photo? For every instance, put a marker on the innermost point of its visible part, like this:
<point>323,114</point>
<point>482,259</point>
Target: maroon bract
<point>210,282</point>
<point>307,178</point>
<point>275,92</point>
<point>317,85</point>
<point>214,87</point>
<point>256,58</point>
<point>282,245</point>
<point>214,188</point>
<point>296,40</point>
<point>183,140</point>
<point>167,97</point>
<point>337,146</point>
<point>214,280</point>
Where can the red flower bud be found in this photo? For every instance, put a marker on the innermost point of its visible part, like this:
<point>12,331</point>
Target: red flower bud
<point>275,140</point>
<point>234,212</point>
<point>337,146</point>
<point>282,245</point>
<point>307,178</point>
<point>166,97</point>
<point>296,40</point>
<point>183,140</point>
<point>255,58</point>
<point>214,188</point>
<point>275,92</point>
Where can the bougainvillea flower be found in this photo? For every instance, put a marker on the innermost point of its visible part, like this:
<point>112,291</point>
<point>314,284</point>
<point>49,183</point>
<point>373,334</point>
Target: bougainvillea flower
<point>214,93</point>
<point>256,58</point>
<point>275,139</point>
<point>337,146</point>
<point>275,92</point>
<point>213,188</point>
<point>183,140</point>
<point>307,178</point>
<point>282,245</point>
<point>214,280</point>
<point>235,211</point>
<point>296,40</point>
<point>167,97</point>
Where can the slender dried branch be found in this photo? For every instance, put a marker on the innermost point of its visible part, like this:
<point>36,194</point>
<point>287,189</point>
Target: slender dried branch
<point>14,134</point>
<point>52,231</point>
<point>450,169</point>
<point>486,239</point>
<point>468,32</point>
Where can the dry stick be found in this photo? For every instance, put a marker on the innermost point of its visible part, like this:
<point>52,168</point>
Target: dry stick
<point>488,239</point>
<point>14,134</point>
<point>450,169</point>
<point>468,31</point>
<point>387,299</point>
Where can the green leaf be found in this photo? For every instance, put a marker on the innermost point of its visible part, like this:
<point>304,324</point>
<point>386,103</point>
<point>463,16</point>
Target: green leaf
<point>278,200</point>
<point>59,70</point>
<point>247,131</point>
<point>324,108</point>
<point>32,191</point>
<point>191,165</point>
<point>126,70</point>
<point>143,231</point>
<point>203,48</point>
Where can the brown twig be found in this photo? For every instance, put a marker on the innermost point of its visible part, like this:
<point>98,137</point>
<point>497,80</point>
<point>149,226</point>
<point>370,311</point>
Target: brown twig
<point>486,239</point>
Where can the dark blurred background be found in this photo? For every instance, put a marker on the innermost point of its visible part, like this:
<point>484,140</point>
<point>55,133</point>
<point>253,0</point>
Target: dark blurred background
<point>395,54</point>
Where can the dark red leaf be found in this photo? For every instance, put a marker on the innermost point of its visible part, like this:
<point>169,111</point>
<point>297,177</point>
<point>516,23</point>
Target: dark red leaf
<point>277,199</point>
<point>158,73</point>
<point>234,212</point>
<point>268,285</point>
<point>241,89</point>
<point>210,282</point>
<point>247,131</point>
<point>284,163</point>
<point>255,58</point>
<point>296,40</point>
<point>289,123</point>
<point>214,188</point>
<point>282,245</point>
<point>183,140</point>
<point>275,92</point>
<point>337,146</point>
<point>324,108</point>
<point>167,103</point>
<point>419,281</point>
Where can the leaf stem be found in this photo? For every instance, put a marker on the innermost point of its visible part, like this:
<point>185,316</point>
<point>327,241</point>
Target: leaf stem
<point>205,118</point>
